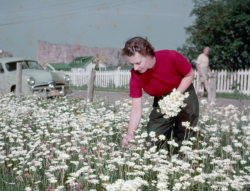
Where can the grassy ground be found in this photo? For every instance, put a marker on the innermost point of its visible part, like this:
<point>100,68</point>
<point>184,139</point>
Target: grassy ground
<point>108,89</point>
<point>230,96</point>
<point>235,95</point>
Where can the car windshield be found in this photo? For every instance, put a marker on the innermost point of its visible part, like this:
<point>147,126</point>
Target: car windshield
<point>26,64</point>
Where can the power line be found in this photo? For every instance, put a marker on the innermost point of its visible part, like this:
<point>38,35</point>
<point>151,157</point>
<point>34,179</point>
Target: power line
<point>9,12</point>
<point>70,12</point>
<point>67,14</point>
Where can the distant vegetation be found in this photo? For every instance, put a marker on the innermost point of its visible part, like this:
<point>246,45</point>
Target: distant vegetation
<point>224,26</point>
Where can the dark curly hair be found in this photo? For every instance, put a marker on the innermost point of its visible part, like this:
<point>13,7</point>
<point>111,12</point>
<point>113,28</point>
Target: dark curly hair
<point>140,45</point>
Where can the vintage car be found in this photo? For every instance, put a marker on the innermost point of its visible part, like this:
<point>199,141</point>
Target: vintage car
<point>35,80</point>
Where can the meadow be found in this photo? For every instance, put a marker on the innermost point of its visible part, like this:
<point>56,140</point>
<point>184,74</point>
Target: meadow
<point>72,144</point>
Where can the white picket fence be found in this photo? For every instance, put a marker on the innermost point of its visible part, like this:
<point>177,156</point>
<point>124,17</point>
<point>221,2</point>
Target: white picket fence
<point>241,78</point>
<point>118,78</point>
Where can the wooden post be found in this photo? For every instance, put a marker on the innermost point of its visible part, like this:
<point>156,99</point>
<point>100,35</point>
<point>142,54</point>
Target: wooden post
<point>90,91</point>
<point>117,76</point>
<point>18,79</point>
<point>212,87</point>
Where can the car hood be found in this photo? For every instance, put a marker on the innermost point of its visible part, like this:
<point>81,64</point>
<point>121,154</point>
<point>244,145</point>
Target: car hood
<point>40,76</point>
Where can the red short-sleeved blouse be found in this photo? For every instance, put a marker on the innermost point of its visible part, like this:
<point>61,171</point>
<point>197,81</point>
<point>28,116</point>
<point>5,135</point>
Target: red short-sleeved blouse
<point>169,69</point>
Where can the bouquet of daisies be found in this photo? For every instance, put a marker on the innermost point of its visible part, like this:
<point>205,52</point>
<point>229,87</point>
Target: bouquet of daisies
<point>171,104</point>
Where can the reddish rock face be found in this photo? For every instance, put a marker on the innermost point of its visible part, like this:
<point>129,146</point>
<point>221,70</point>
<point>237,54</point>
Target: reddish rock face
<point>57,53</point>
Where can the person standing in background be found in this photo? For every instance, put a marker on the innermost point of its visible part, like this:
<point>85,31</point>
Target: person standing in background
<point>202,65</point>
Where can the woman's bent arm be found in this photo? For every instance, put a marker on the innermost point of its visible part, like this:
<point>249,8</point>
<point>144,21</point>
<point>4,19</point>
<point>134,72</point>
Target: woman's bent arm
<point>186,81</point>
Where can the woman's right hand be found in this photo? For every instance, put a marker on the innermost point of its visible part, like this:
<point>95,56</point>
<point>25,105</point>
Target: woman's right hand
<point>135,117</point>
<point>200,74</point>
<point>126,139</point>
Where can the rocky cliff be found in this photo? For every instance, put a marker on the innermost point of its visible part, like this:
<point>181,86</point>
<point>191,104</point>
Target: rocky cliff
<point>55,53</point>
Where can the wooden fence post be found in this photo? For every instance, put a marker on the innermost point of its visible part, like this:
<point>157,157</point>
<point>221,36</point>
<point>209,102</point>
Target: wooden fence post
<point>18,79</point>
<point>117,77</point>
<point>90,91</point>
<point>212,87</point>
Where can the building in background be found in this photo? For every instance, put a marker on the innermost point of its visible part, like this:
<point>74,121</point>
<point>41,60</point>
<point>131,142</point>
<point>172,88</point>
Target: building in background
<point>5,54</point>
<point>87,63</point>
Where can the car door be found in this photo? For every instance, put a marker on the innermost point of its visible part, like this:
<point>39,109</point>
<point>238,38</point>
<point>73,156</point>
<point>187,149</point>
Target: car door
<point>2,80</point>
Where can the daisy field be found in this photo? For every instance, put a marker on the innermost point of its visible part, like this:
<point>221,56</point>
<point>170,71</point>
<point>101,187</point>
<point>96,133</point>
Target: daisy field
<point>72,144</point>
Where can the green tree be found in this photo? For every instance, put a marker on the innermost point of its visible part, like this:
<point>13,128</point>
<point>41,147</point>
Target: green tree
<point>224,26</point>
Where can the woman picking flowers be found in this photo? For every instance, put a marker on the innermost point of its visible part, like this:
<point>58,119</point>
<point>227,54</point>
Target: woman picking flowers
<point>158,73</point>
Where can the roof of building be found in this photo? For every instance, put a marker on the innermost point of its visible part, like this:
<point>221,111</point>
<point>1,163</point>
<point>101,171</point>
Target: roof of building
<point>121,67</point>
<point>59,66</point>
<point>126,67</point>
<point>80,62</point>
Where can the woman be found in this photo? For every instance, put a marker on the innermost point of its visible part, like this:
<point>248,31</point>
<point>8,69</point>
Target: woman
<point>158,73</point>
